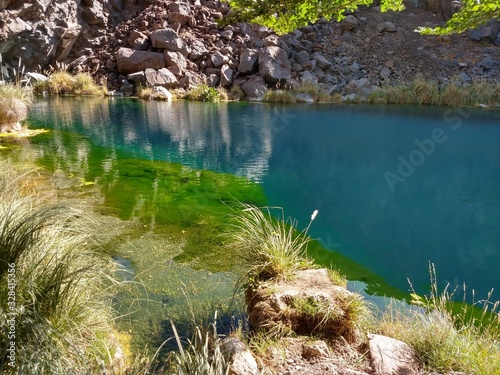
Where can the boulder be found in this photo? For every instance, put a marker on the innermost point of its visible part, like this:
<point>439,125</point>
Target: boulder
<point>169,39</point>
<point>137,78</point>
<point>180,7</point>
<point>175,59</point>
<point>249,60</point>
<point>315,349</point>
<point>361,88</point>
<point>218,59</point>
<point>274,65</point>
<point>281,304</point>
<point>254,88</point>
<point>322,61</point>
<point>307,76</point>
<point>385,72</point>
<point>163,93</point>
<point>130,61</point>
<point>242,362</point>
<point>226,75</point>
<point>161,77</point>
<point>302,97</point>
<point>198,49</point>
<point>178,18</point>
<point>392,357</point>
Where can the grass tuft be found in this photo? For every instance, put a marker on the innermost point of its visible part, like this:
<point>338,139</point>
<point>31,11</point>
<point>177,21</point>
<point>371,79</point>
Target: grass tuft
<point>61,296</point>
<point>270,248</point>
<point>62,82</point>
<point>448,336</point>
<point>203,355</point>
<point>14,103</point>
<point>205,93</point>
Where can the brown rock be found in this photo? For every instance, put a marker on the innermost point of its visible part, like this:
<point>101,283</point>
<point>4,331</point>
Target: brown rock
<point>130,61</point>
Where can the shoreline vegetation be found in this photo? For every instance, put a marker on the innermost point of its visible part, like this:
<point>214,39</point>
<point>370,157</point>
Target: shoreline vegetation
<point>456,93</point>
<point>479,94</point>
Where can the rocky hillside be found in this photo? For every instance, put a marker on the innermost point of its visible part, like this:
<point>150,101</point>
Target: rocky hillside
<point>178,45</point>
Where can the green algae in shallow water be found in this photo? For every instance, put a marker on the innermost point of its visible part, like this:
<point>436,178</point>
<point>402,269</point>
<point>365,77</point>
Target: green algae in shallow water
<point>185,203</point>
<point>163,197</point>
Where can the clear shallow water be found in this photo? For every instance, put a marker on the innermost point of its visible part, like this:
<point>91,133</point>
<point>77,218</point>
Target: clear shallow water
<point>383,200</point>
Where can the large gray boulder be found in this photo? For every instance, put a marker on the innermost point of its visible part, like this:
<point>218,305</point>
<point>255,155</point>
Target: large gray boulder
<point>249,61</point>
<point>274,65</point>
<point>226,75</point>
<point>169,39</point>
<point>130,61</point>
<point>254,88</point>
<point>175,59</point>
<point>161,77</point>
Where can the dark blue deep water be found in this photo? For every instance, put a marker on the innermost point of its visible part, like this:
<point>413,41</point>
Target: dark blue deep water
<point>396,187</point>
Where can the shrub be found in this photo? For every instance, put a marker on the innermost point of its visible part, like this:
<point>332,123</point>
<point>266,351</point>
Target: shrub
<point>62,308</point>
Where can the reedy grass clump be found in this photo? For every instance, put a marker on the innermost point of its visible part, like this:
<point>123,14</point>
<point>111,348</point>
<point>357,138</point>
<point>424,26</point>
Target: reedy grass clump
<point>203,355</point>
<point>15,101</point>
<point>270,248</point>
<point>62,308</point>
<point>62,82</point>
<point>279,96</point>
<point>449,336</point>
<point>205,93</point>
<point>429,93</point>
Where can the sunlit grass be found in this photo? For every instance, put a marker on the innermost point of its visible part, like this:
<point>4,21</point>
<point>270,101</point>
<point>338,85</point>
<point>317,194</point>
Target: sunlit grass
<point>423,92</point>
<point>449,336</point>
<point>62,307</point>
<point>62,82</point>
<point>15,101</point>
<point>269,248</point>
<point>205,93</point>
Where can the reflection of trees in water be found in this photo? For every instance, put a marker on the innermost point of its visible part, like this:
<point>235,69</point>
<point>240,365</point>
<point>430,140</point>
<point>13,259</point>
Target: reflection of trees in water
<point>201,135</point>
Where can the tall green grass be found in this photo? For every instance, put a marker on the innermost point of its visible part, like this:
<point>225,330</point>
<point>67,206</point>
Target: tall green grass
<point>270,248</point>
<point>430,93</point>
<point>449,336</point>
<point>63,319</point>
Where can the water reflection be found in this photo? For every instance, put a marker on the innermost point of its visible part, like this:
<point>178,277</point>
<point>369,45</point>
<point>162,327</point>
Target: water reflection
<point>327,158</point>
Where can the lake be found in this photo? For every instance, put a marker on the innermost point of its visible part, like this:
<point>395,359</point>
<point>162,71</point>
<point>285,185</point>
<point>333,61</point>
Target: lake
<point>396,187</point>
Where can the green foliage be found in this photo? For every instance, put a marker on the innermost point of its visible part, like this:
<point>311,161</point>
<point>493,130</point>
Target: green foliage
<point>286,16</point>
<point>472,14</point>
<point>61,304</point>
<point>448,336</point>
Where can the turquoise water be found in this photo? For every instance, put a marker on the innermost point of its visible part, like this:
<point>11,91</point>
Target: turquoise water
<point>396,187</point>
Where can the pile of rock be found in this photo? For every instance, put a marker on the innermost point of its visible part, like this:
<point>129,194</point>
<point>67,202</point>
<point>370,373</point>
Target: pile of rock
<point>180,44</point>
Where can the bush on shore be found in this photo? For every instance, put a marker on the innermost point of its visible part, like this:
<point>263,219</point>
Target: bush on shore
<point>15,101</point>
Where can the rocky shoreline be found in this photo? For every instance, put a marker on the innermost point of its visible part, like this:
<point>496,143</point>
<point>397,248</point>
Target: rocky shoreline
<point>180,45</point>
